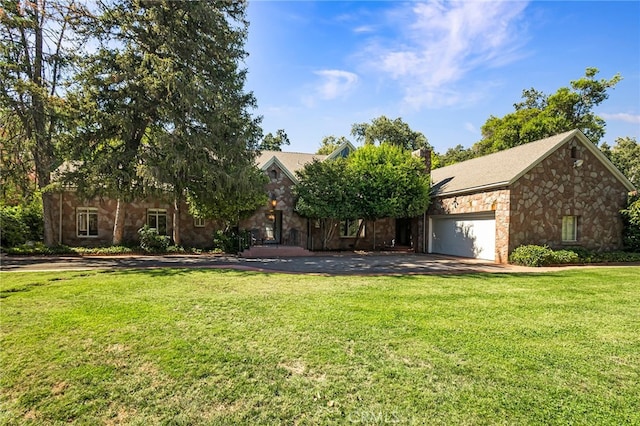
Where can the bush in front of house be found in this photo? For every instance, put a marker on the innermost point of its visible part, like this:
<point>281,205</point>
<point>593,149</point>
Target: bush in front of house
<point>559,257</point>
<point>19,224</point>
<point>13,230</point>
<point>231,240</point>
<point>532,255</point>
<point>151,241</point>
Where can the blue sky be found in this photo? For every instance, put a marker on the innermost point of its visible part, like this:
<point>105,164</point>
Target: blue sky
<point>317,67</point>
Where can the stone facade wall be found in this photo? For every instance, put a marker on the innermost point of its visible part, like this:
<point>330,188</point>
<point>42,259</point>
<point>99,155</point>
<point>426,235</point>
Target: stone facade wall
<point>377,236</point>
<point>297,230</point>
<point>294,226</point>
<point>555,188</point>
<point>135,218</point>
<point>496,201</point>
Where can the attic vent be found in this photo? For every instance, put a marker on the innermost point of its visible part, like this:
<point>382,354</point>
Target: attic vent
<point>574,152</point>
<point>274,174</point>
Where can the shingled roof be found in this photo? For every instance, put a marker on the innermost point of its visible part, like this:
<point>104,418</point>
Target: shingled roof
<point>505,167</point>
<point>291,162</point>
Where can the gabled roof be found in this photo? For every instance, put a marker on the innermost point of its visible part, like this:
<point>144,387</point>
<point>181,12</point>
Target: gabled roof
<point>505,167</point>
<point>291,162</point>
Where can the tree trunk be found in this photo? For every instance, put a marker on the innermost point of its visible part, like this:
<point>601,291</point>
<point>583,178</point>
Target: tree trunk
<point>49,222</point>
<point>176,221</point>
<point>360,228</point>
<point>118,224</point>
<point>328,231</point>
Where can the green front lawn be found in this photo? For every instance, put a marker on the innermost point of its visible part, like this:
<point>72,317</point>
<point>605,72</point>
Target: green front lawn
<point>218,347</point>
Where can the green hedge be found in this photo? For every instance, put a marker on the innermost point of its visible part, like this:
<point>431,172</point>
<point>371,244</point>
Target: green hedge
<point>534,255</point>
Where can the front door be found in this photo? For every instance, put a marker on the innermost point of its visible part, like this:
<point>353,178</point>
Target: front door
<point>403,232</point>
<point>273,227</point>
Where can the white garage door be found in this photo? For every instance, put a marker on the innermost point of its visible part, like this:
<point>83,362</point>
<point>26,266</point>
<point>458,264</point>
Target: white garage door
<point>463,235</point>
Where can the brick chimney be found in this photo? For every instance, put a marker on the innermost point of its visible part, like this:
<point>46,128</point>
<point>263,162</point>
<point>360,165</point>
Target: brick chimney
<point>425,154</point>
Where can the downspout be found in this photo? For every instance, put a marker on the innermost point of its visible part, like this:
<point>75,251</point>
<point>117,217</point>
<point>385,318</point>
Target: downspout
<point>60,218</point>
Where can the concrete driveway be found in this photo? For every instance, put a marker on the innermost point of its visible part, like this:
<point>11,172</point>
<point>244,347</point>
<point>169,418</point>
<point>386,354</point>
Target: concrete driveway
<point>336,264</point>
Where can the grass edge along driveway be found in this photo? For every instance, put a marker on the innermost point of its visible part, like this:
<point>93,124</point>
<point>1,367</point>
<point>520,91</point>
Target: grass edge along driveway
<point>178,346</point>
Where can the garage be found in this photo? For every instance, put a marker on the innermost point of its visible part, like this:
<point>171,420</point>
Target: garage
<point>464,235</point>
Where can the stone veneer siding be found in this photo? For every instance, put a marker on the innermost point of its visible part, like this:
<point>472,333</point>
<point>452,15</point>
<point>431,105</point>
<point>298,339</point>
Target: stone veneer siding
<point>135,218</point>
<point>384,234</point>
<point>497,201</point>
<point>555,188</point>
<point>279,187</point>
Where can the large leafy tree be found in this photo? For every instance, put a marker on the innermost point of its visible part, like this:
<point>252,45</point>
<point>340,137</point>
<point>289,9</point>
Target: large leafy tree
<point>165,107</point>
<point>330,144</point>
<point>372,183</point>
<point>538,115</point>
<point>393,132</point>
<point>453,155</point>
<point>389,182</point>
<point>625,155</point>
<point>325,192</point>
<point>37,51</point>
<point>272,142</point>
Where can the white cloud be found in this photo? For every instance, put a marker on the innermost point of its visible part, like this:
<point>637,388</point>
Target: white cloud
<point>443,42</point>
<point>333,84</point>
<point>364,29</point>
<point>627,118</point>
<point>471,128</point>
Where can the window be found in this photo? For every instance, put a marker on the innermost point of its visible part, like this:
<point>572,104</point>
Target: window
<point>569,229</point>
<point>574,152</point>
<point>157,219</point>
<point>198,222</point>
<point>87,221</point>
<point>349,228</point>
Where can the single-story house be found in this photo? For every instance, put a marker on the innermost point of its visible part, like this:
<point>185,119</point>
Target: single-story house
<point>560,191</point>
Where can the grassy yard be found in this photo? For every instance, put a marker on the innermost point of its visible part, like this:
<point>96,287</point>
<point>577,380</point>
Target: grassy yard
<point>220,347</point>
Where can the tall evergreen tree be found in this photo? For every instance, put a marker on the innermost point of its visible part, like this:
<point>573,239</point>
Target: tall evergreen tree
<point>37,50</point>
<point>165,105</point>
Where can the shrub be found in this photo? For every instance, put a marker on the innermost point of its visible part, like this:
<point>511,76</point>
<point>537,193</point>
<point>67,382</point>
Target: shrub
<point>532,255</point>
<point>616,256</point>
<point>13,230</point>
<point>231,240</point>
<point>19,224</point>
<point>584,255</point>
<point>564,256</point>
<point>151,241</point>
<point>38,248</point>
<point>32,217</point>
